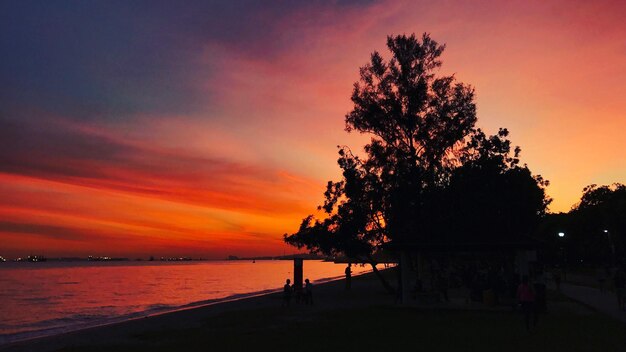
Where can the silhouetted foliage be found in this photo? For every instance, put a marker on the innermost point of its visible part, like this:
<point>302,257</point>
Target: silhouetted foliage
<point>595,228</point>
<point>427,168</point>
<point>600,222</point>
<point>484,200</point>
<point>604,196</point>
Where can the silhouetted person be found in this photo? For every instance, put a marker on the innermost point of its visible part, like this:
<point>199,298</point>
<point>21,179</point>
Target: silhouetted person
<point>348,276</point>
<point>287,293</point>
<point>308,292</point>
<point>526,298</point>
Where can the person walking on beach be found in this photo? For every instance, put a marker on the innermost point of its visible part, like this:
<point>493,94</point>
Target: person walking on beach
<point>287,293</point>
<point>348,272</point>
<point>526,298</point>
<point>308,292</point>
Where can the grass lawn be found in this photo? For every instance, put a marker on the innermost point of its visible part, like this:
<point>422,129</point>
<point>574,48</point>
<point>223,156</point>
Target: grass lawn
<point>383,328</point>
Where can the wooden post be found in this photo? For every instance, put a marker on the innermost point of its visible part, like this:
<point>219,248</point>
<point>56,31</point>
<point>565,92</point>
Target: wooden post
<point>298,265</point>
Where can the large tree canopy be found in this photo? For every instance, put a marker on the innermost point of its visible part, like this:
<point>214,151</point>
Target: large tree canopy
<point>426,161</point>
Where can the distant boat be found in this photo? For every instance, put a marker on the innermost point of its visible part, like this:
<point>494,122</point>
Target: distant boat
<point>253,261</point>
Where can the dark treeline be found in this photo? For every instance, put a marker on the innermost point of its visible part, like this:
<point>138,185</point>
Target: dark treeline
<point>593,231</point>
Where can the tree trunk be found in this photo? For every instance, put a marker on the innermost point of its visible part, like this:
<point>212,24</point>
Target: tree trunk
<point>380,276</point>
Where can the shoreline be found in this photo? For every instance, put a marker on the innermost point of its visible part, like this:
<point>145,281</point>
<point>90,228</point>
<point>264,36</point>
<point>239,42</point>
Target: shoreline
<point>168,318</point>
<point>56,331</point>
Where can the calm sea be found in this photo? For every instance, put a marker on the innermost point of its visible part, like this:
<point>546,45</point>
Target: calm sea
<point>38,299</point>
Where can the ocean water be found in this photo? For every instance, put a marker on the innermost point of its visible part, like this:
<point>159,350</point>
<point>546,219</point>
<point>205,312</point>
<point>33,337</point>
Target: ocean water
<point>38,299</point>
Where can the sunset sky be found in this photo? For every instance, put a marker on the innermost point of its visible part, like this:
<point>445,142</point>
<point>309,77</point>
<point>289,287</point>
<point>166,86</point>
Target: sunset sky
<point>136,128</point>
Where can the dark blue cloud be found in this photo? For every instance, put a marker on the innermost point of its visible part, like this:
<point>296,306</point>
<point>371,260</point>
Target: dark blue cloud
<point>110,59</point>
<point>93,59</point>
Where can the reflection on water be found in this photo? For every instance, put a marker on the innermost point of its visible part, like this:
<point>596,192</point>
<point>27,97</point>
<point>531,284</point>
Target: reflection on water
<point>39,298</point>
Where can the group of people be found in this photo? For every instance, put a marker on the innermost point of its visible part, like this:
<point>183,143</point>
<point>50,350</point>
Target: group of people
<point>301,294</point>
<point>305,293</point>
<point>530,296</point>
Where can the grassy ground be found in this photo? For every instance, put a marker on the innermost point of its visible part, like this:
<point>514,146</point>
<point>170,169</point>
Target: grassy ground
<point>302,328</point>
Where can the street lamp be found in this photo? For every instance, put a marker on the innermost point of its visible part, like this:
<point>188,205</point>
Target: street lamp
<point>563,255</point>
<point>608,235</point>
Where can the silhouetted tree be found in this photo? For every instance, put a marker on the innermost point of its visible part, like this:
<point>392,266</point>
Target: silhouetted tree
<point>599,222</point>
<point>604,196</point>
<point>423,138</point>
<point>595,227</point>
<point>490,194</point>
